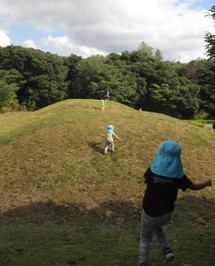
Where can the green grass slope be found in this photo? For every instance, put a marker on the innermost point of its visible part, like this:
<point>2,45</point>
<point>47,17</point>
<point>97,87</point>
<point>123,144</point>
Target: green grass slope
<point>63,202</point>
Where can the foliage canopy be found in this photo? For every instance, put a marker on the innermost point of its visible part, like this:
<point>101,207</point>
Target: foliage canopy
<point>33,79</point>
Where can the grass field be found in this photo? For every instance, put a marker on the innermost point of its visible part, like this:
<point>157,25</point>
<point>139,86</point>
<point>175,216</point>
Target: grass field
<point>63,202</point>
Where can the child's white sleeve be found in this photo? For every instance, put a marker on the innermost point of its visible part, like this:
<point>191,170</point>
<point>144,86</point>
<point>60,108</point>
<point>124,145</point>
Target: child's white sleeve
<point>115,135</point>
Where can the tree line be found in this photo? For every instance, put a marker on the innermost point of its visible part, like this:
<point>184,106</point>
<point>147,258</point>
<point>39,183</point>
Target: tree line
<point>31,79</point>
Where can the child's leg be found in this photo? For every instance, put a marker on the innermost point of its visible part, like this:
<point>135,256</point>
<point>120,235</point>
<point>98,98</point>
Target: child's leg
<point>146,234</point>
<point>106,148</point>
<point>162,238</point>
<point>112,146</point>
<point>107,144</point>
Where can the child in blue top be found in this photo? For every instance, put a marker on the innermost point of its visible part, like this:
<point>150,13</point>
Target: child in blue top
<point>164,178</point>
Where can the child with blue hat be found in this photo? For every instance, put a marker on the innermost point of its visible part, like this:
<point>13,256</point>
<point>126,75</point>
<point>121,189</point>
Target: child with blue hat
<point>109,139</point>
<point>164,178</point>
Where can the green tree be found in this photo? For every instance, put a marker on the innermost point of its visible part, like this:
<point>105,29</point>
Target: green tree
<point>158,55</point>
<point>180,101</point>
<point>145,49</point>
<point>7,91</point>
<point>87,77</point>
<point>42,79</point>
<point>97,75</point>
<point>201,73</point>
<point>71,62</point>
<point>210,38</point>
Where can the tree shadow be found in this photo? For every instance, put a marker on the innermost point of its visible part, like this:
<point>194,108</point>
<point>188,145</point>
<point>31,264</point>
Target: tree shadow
<point>109,213</point>
<point>70,227</point>
<point>65,233</point>
<point>97,147</point>
<point>192,212</point>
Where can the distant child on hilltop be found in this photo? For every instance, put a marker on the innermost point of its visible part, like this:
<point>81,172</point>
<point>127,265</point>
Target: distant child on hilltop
<point>109,139</point>
<point>107,96</point>
<point>164,178</point>
<point>102,104</point>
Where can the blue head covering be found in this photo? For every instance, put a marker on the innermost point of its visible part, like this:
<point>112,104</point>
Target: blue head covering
<point>110,129</point>
<point>168,162</point>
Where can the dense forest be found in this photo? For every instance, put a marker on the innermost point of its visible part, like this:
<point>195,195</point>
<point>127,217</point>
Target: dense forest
<point>31,79</point>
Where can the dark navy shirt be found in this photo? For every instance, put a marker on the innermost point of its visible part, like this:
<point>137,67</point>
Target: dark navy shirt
<point>161,193</point>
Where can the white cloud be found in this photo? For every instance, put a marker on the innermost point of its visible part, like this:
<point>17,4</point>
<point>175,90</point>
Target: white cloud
<point>64,46</point>
<point>4,39</point>
<point>30,44</point>
<point>176,27</point>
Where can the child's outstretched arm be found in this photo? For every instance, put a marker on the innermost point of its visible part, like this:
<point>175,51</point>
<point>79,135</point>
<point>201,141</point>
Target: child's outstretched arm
<point>198,186</point>
<point>115,135</point>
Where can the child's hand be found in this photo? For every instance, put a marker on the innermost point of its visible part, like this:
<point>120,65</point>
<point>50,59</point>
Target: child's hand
<point>209,183</point>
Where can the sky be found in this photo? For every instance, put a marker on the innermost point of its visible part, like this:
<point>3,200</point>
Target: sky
<point>100,27</point>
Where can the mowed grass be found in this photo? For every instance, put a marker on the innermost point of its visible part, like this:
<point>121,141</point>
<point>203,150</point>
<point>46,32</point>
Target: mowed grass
<point>65,203</point>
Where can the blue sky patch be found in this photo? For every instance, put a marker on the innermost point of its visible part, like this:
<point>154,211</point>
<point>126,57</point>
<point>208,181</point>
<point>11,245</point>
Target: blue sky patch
<point>22,33</point>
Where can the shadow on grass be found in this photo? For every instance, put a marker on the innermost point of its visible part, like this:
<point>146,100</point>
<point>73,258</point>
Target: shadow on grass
<point>108,213</point>
<point>97,147</point>
<point>44,233</point>
<point>191,211</point>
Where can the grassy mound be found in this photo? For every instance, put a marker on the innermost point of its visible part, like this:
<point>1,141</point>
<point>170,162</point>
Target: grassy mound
<point>63,202</point>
